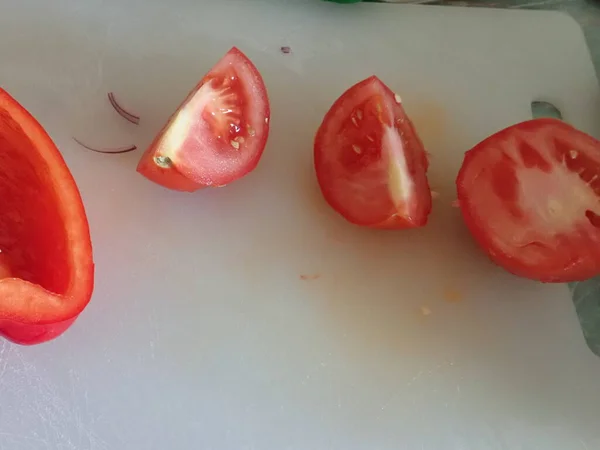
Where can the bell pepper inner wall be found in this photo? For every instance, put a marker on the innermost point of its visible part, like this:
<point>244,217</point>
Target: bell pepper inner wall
<point>32,238</point>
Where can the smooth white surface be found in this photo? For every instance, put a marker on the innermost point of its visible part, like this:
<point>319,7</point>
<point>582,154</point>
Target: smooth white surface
<point>201,333</point>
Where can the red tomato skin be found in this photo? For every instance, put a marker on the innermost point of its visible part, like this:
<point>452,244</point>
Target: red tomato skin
<point>170,178</point>
<point>410,138</point>
<point>182,177</point>
<point>47,262</point>
<point>573,271</point>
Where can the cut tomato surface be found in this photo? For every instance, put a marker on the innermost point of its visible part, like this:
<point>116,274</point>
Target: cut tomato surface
<point>46,264</point>
<point>530,195</point>
<point>370,163</point>
<point>219,132</point>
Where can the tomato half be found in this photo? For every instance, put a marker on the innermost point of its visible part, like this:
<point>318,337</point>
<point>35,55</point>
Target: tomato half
<point>46,264</point>
<point>530,195</point>
<point>370,163</point>
<point>217,134</point>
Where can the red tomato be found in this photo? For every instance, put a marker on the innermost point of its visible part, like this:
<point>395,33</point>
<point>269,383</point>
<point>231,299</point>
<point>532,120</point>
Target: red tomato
<point>530,195</point>
<point>370,163</point>
<point>217,134</point>
<point>46,264</point>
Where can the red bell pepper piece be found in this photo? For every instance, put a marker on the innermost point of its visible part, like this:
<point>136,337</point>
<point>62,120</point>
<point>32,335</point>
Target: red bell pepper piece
<point>46,264</point>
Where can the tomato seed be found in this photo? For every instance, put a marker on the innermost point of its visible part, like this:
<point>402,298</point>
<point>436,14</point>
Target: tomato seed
<point>554,208</point>
<point>573,154</point>
<point>235,144</point>
<point>356,149</point>
<point>163,162</point>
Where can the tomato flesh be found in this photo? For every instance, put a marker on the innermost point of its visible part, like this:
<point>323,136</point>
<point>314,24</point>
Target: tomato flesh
<point>46,264</point>
<point>370,163</point>
<point>530,195</point>
<point>219,132</point>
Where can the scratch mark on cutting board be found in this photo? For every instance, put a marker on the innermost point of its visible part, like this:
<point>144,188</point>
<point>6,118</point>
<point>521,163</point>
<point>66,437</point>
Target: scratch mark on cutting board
<point>4,354</point>
<point>528,5</point>
<point>34,406</point>
<point>421,375</point>
<point>102,53</point>
<point>155,333</point>
<point>20,440</point>
<point>415,378</point>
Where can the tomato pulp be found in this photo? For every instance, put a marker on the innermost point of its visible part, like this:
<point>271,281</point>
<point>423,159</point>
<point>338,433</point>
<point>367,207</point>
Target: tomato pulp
<point>219,132</point>
<point>46,265</point>
<point>370,163</point>
<point>530,195</point>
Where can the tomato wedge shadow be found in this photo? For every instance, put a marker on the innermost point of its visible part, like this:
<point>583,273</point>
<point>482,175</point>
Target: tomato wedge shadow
<point>218,133</point>
<point>46,264</point>
<point>370,163</point>
<point>530,196</point>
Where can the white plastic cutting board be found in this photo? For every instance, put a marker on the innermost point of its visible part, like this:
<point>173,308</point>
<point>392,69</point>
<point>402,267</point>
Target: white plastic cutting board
<point>202,333</point>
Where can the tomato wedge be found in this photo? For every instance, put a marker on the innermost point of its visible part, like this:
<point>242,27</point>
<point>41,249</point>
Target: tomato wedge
<point>370,163</point>
<point>219,132</point>
<point>530,195</point>
<point>46,264</point>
